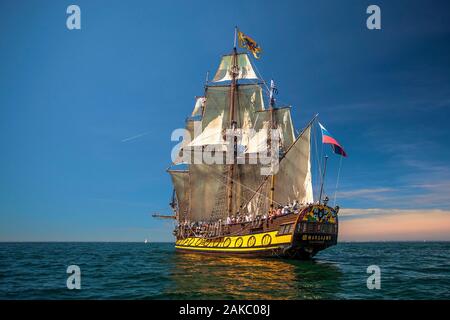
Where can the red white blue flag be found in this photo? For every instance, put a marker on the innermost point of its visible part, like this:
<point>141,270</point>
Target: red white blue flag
<point>328,138</point>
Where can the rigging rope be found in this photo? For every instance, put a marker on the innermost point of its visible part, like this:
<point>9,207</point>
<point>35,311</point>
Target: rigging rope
<point>319,176</point>
<point>255,192</point>
<point>337,181</point>
<point>261,78</point>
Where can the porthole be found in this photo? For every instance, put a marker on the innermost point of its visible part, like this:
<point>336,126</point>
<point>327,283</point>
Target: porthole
<point>266,240</point>
<point>251,241</point>
<point>227,242</point>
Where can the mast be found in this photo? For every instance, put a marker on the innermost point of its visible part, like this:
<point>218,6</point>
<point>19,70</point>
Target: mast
<point>269,143</point>
<point>234,73</point>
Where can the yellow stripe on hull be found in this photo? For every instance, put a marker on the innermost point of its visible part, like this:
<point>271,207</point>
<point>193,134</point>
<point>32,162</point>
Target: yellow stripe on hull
<point>245,243</point>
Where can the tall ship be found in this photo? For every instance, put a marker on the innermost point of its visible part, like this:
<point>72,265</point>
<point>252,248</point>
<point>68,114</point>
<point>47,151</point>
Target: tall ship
<point>242,175</point>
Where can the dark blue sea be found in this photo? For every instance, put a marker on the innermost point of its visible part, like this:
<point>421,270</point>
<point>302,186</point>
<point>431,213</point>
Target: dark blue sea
<point>155,271</point>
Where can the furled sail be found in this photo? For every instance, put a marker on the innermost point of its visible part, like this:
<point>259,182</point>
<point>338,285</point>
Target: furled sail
<point>293,179</point>
<point>245,68</point>
<point>180,181</point>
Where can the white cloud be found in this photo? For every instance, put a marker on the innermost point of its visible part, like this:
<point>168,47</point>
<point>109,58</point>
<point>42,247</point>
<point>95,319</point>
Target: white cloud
<point>367,192</point>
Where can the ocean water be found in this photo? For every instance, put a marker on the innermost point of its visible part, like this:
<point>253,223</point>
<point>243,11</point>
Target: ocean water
<point>156,271</point>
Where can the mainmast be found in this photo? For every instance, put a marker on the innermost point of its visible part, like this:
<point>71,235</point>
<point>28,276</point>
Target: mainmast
<point>234,73</point>
<point>269,143</point>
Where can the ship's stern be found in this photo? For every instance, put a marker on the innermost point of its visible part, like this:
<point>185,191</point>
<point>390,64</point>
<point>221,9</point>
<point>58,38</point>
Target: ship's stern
<point>316,229</point>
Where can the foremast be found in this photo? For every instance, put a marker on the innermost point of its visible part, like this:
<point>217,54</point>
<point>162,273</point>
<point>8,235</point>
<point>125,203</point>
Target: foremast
<point>232,121</point>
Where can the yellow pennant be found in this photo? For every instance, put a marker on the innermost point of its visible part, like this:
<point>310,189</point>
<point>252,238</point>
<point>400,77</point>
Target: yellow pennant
<point>248,43</point>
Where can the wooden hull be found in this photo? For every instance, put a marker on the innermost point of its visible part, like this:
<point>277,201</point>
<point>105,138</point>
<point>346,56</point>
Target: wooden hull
<point>296,236</point>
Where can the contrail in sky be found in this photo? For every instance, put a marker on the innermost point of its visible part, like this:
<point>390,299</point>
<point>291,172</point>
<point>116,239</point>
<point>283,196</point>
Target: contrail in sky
<point>136,136</point>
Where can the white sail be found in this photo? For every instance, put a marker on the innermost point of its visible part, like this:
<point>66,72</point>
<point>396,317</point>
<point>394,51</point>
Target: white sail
<point>191,127</point>
<point>180,181</point>
<point>211,135</point>
<point>248,178</point>
<point>258,142</point>
<point>293,179</point>
<point>249,102</point>
<point>216,116</point>
<point>205,183</point>
<point>283,123</point>
<point>245,68</point>
<point>198,107</point>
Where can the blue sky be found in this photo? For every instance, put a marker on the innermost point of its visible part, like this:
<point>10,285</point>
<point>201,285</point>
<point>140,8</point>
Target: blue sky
<point>86,115</point>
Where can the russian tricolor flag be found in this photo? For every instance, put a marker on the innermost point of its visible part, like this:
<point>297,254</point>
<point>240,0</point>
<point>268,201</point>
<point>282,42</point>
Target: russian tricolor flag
<point>327,138</point>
